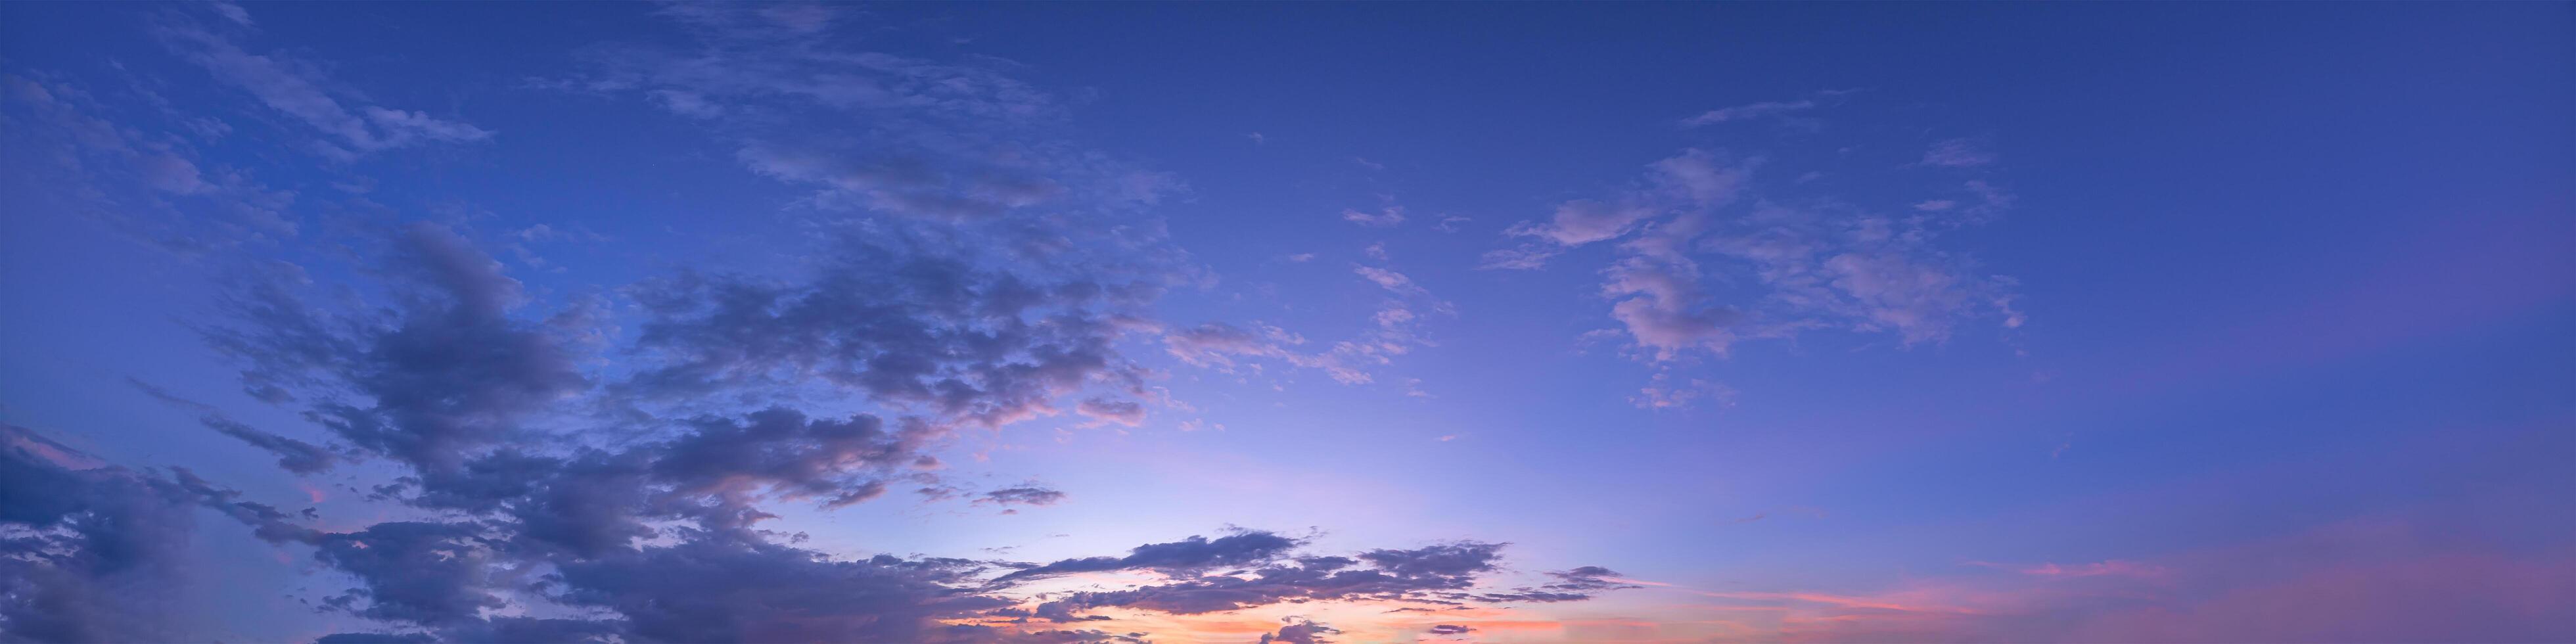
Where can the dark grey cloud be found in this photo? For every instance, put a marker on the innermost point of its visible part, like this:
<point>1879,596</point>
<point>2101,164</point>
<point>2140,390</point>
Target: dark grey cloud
<point>1197,553</point>
<point>900,323</point>
<point>1441,574</point>
<point>780,449</point>
<point>164,395</point>
<point>715,474</point>
<point>1300,631</point>
<point>987,634</point>
<point>447,380</point>
<point>266,521</point>
<point>498,629</point>
<point>718,590</point>
<point>455,371</point>
<point>1022,495</point>
<point>292,455</point>
<point>447,373</point>
<point>1588,578</point>
<point>87,552</point>
<point>1451,629</point>
<point>425,573</point>
<point>1574,585</point>
<point>376,638</point>
<point>1454,561</point>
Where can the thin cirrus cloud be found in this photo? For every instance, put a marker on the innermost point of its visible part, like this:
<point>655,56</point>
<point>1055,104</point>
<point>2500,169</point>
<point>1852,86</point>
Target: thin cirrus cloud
<point>1766,109</point>
<point>300,90</point>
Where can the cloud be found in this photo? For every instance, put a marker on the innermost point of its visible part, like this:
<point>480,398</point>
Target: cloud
<point>300,90</point>
<point>838,461</point>
<point>601,467</point>
<point>1766,109</point>
<point>1525,258</point>
<point>721,590</point>
<point>1384,217</point>
<point>1394,331</point>
<point>1022,495</point>
<point>1588,578</point>
<point>1695,179</point>
<point>1748,112</point>
<point>1300,631</point>
<point>152,187</point>
<point>963,141</point>
<point>1657,296</point>
<point>1584,221</point>
<point>911,185</point>
<point>1819,265</point>
<point>1191,555</point>
<point>1440,574</point>
<point>1123,412</point>
<point>1217,344</point>
<point>292,455</point>
<point>93,553</point>
<point>1664,393</point>
<point>164,395</point>
<point>419,572</point>
<point>451,370</point>
<point>1957,153</point>
<point>905,326</point>
<point>1386,279</point>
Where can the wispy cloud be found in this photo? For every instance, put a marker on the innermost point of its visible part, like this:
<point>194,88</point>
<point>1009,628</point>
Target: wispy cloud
<point>1383,218</point>
<point>299,89</point>
<point>1765,109</point>
<point>1957,153</point>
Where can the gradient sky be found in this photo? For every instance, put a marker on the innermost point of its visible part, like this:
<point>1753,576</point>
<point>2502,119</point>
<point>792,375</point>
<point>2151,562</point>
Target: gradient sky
<point>1288,322</point>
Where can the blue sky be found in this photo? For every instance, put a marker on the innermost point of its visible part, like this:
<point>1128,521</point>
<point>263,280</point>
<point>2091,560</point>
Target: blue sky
<point>1708,322</point>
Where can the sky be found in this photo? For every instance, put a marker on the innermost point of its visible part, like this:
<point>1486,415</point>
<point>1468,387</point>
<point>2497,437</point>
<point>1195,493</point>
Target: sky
<point>1236,322</point>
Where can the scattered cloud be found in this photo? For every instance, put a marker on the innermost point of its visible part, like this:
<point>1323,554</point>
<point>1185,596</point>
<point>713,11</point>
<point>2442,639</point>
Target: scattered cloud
<point>1821,263</point>
<point>1384,217</point>
<point>1747,112</point>
<point>1957,153</point>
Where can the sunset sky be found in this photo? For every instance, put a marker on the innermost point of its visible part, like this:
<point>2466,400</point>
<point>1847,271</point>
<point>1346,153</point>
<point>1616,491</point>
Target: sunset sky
<point>1315,322</point>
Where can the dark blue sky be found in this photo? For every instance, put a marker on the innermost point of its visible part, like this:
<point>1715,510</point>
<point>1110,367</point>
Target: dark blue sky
<point>1833,322</point>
